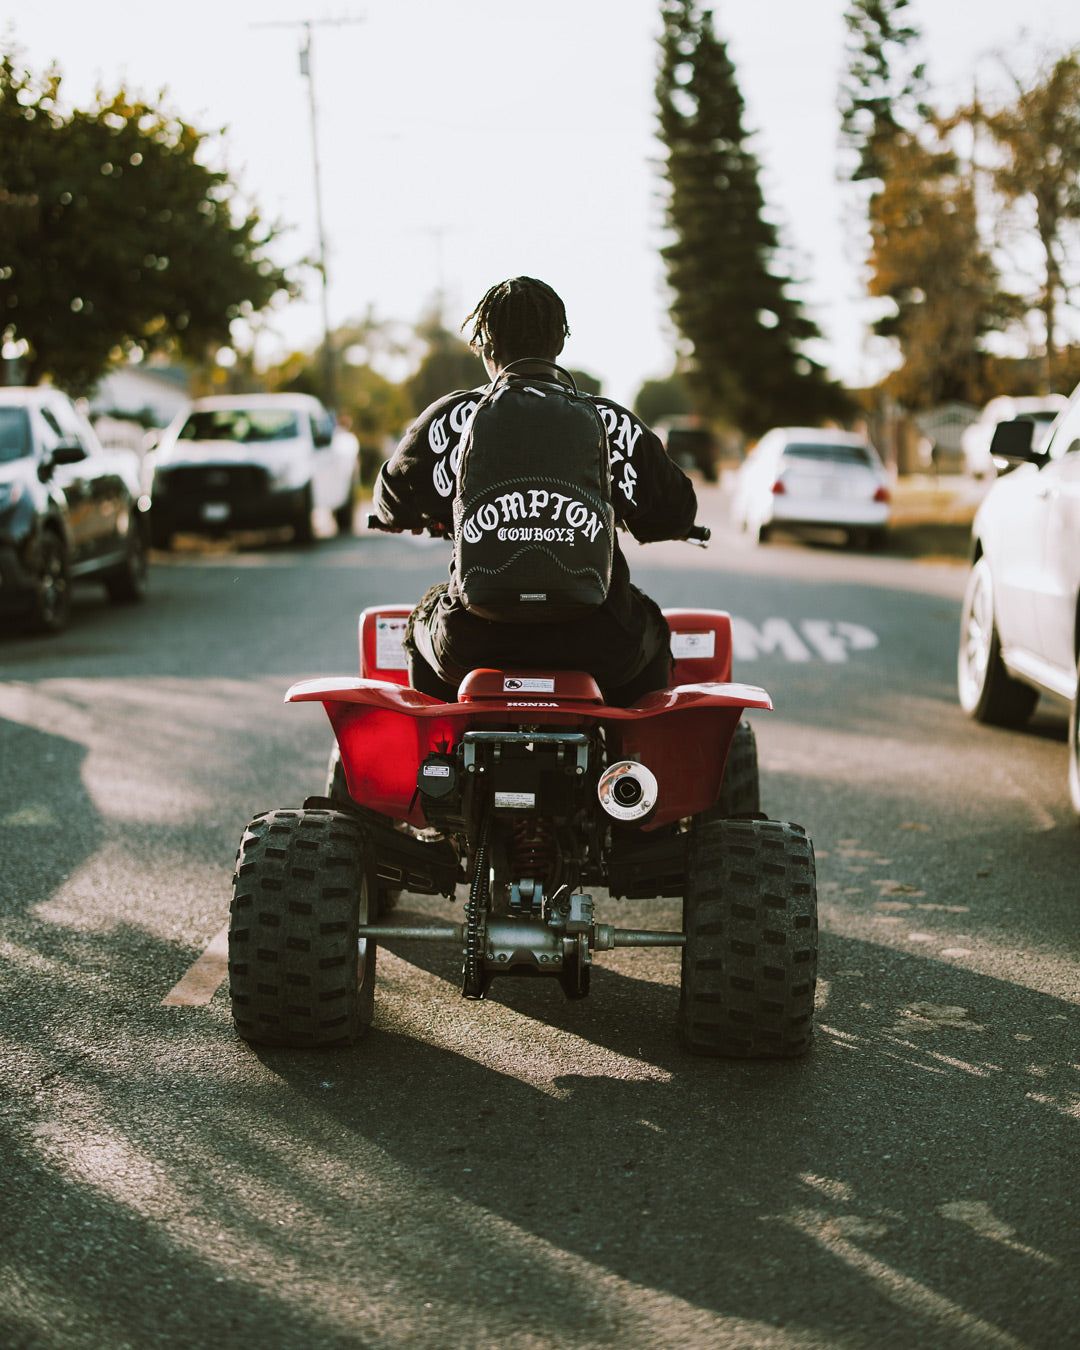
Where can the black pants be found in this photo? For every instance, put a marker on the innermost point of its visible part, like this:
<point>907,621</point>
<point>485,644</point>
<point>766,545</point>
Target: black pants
<point>654,676</point>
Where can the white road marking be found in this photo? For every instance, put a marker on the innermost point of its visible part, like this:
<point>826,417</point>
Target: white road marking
<point>831,641</point>
<point>202,981</point>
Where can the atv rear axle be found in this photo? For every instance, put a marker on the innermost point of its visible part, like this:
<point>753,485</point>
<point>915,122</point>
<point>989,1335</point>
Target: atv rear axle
<point>605,937</point>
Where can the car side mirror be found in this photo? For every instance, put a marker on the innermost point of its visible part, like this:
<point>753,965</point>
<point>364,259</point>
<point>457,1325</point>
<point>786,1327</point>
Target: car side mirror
<point>67,452</point>
<point>1013,442</point>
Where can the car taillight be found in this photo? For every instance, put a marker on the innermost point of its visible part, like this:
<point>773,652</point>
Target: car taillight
<point>882,495</point>
<point>778,488</point>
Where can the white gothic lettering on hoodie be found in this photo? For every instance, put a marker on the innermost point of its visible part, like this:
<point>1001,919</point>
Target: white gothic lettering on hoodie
<point>445,434</point>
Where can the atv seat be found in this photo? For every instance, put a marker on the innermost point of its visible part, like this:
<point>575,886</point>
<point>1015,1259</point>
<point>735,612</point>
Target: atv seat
<point>529,686</point>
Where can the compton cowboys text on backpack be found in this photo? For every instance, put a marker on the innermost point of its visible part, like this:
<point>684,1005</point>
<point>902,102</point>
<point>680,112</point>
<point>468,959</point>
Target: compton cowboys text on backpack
<point>533,516</point>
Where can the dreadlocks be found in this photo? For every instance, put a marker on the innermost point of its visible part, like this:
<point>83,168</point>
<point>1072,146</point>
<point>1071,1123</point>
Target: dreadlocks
<point>520,317</point>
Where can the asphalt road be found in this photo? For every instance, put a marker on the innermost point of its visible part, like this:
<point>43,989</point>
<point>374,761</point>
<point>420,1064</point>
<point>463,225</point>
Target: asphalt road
<point>528,1172</point>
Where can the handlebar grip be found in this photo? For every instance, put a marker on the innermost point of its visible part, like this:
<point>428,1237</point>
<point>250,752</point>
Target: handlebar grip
<point>433,528</point>
<point>699,534</point>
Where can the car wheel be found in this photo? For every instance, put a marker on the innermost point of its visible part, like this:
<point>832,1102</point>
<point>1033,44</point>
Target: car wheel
<point>304,525</point>
<point>131,580</point>
<point>1074,747</point>
<point>866,539</point>
<point>987,692</point>
<point>345,515</point>
<point>160,535</point>
<point>52,585</point>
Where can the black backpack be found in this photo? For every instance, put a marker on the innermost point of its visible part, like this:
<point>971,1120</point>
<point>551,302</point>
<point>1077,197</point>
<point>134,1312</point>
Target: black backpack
<point>534,523</point>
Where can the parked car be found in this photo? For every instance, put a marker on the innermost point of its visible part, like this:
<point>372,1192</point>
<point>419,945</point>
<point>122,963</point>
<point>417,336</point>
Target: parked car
<point>976,438</point>
<point>253,461</point>
<point>691,445</point>
<point>1020,625</point>
<point>69,509</point>
<point>797,478</point>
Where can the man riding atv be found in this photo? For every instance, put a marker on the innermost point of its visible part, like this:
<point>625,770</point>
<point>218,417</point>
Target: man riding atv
<point>623,641</point>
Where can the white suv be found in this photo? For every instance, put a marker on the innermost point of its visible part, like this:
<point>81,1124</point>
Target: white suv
<point>250,461</point>
<point>1020,630</point>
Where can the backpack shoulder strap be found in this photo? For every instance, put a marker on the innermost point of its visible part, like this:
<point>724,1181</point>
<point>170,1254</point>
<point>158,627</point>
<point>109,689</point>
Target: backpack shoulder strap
<point>562,375</point>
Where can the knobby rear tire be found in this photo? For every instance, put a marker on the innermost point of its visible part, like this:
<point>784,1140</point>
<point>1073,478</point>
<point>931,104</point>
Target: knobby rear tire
<point>740,791</point>
<point>337,790</point>
<point>749,967</point>
<point>299,975</point>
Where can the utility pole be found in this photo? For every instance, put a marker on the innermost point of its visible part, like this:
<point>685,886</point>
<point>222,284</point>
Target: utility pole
<point>307,71</point>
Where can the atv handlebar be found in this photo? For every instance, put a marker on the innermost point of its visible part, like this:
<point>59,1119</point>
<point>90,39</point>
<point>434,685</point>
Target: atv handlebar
<point>696,534</point>
<point>432,527</point>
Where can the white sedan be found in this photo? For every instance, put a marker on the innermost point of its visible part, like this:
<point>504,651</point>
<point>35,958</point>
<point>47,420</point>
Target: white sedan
<point>1020,628</point>
<point>799,478</point>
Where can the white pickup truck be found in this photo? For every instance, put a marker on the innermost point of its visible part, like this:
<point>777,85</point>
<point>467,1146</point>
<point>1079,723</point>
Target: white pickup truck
<point>253,461</point>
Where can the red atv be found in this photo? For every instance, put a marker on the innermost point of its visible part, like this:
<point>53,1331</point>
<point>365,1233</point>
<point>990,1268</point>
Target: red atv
<point>526,791</point>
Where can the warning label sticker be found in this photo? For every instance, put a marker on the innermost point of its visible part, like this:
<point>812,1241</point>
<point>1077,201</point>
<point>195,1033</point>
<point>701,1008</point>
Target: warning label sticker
<point>687,646</point>
<point>390,643</point>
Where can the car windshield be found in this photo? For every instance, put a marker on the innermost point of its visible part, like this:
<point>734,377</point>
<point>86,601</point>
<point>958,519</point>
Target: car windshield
<point>241,425</point>
<point>14,434</point>
<point>831,454</point>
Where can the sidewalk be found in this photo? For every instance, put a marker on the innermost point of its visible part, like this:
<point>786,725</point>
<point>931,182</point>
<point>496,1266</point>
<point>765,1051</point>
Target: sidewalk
<point>931,517</point>
<point>951,499</point>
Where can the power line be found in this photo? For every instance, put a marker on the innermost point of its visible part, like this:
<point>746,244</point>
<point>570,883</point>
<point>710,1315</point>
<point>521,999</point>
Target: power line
<point>307,70</point>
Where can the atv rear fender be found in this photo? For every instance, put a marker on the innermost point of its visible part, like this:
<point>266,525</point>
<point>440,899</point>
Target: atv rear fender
<point>385,729</point>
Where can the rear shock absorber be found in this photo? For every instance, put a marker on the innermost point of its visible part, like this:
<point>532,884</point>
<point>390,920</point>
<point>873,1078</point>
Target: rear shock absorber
<point>531,848</point>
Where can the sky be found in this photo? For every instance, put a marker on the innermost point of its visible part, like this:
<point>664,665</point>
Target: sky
<point>465,141</point>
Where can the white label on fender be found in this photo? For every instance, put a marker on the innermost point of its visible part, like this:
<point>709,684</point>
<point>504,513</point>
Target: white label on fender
<point>514,684</point>
<point>515,799</point>
<point>390,644</point>
<point>687,646</point>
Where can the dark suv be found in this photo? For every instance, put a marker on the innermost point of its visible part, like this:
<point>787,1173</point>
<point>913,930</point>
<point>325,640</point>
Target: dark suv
<point>68,510</point>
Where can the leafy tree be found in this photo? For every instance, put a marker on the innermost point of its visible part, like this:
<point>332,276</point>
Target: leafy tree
<point>1039,138</point>
<point>449,363</point>
<point>926,256</point>
<point>881,97</point>
<point>657,399</point>
<point>586,383</point>
<point>374,407</point>
<point>742,330</point>
<point>925,253</point>
<point>116,235</point>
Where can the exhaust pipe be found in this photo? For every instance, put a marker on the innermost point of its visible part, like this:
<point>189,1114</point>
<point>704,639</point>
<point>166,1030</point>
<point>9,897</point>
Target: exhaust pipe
<point>627,790</point>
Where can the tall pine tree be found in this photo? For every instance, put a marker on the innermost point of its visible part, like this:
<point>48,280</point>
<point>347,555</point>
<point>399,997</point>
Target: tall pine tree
<point>882,94</point>
<point>742,329</point>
